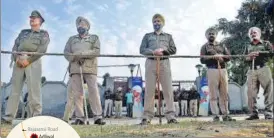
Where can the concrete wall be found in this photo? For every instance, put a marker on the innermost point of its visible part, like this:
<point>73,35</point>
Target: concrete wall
<point>54,96</point>
<point>235,96</point>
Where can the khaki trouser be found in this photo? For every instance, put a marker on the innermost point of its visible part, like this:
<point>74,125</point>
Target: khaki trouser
<point>215,86</point>
<point>32,74</point>
<point>193,107</point>
<point>166,82</point>
<point>184,107</point>
<point>261,77</point>
<point>70,106</point>
<point>177,108</point>
<point>118,108</point>
<point>108,107</point>
<point>93,95</point>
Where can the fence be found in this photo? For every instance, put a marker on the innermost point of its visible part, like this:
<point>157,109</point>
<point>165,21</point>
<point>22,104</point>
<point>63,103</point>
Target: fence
<point>114,56</point>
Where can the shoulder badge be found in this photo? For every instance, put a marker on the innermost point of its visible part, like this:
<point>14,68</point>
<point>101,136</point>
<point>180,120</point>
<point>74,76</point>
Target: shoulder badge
<point>46,34</point>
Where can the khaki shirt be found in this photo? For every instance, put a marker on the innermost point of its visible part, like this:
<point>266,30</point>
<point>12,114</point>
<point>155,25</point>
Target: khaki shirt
<point>89,45</point>
<point>261,46</point>
<point>152,41</point>
<point>31,41</point>
<point>211,49</point>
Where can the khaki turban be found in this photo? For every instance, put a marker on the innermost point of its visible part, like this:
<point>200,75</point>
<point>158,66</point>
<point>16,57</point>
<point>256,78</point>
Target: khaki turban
<point>82,19</point>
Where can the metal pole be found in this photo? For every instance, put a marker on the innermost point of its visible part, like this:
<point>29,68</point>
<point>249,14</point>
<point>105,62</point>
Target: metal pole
<point>0,81</point>
<point>158,89</point>
<point>121,56</point>
<point>84,94</point>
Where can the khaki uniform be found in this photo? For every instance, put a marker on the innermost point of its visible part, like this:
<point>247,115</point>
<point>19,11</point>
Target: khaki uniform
<point>70,106</point>
<point>217,81</point>
<point>261,76</point>
<point>151,42</point>
<point>89,45</point>
<point>27,41</point>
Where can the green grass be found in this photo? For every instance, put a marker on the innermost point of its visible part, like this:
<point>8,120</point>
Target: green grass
<point>187,128</point>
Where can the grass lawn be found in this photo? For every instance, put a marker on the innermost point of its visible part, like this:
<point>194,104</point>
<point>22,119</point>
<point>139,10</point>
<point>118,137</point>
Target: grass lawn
<point>259,128</point>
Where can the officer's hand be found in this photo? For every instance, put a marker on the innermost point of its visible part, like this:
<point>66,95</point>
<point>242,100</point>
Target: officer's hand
<point>253,54</point>
<point>221,59</point>
<point>19,63</point>
<point>25,63</point>
<point>158,52</point>
<point>78,55</point>
<point>217,56</point>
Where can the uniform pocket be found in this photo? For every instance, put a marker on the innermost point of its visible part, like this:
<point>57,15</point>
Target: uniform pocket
<point>89,63</point>
<point>28,45</point>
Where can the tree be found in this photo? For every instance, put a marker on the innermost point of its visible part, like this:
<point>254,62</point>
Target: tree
<point>43,79</point>
<point>252,13</point>
<point>107,75</point>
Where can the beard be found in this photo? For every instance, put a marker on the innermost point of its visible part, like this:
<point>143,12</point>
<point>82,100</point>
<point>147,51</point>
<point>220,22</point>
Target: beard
<point>211,39</point>
<point>255,38</point>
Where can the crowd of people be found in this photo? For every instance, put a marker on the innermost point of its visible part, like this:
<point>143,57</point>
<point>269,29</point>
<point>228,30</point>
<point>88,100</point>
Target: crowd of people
<point>186,103</point>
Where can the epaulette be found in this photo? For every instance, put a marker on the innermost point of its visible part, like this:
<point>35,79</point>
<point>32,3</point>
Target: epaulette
<point>94,35</point>
<point>25,30</point>
<point>266,42</point>
<point>44,32</point>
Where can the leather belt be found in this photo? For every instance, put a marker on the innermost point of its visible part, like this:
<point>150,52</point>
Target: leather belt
<point>163,58</point>
<point>24,54</point>
<point>214,67</point>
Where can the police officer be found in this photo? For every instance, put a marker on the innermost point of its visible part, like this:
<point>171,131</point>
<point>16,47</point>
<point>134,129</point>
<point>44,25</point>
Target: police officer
<point>158,43</point>
<point>260,76</point>
<point>86,46</point>
<point>28,67</point>
<point>108,103</point>
<point>217,79</point>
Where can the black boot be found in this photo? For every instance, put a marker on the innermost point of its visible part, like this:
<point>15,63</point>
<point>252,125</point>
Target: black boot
<point>268,117</point>
<point>99,122</point>
<point>145,122</point>
<point>5,122</point>
<point>172,121</point>
<point>78,122</point>
<point>216,119</point>
<point>253,117</point>
<point>228,118</point>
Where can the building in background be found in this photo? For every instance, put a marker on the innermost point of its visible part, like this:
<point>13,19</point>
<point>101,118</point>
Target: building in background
<point>54,96</point>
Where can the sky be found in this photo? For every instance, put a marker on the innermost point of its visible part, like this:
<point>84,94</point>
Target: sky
<point>120,25</point>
